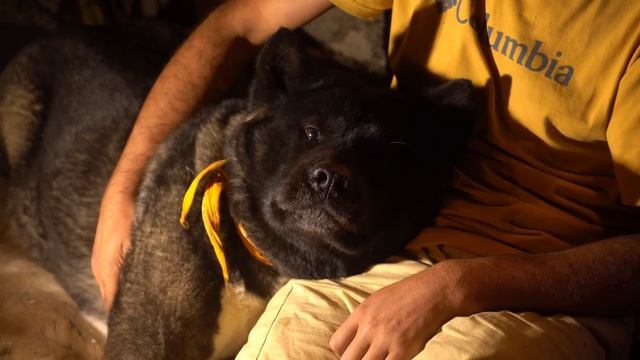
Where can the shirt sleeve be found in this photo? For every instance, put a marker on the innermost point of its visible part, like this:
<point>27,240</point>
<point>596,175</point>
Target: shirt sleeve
<point>365,9</point>
<point>623,134</point>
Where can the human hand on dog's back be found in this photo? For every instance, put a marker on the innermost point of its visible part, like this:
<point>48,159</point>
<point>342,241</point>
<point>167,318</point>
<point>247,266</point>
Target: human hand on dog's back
<point>202,69</point>
<point>112,240</point>
<point>396,321</point>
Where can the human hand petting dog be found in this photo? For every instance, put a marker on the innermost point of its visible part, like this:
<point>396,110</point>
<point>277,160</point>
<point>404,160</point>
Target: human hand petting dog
<point>396,321</point>
<point>112,241</point>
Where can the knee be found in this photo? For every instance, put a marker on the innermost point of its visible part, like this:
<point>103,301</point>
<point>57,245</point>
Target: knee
<point>298,322</point>
<point>506,335</point>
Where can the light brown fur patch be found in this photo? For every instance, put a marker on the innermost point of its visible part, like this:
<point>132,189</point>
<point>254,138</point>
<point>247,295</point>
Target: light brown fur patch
<point>38,320</point>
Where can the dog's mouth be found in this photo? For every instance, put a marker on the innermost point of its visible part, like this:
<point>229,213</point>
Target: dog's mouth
<point>321,218</point>
<point>346,219</point>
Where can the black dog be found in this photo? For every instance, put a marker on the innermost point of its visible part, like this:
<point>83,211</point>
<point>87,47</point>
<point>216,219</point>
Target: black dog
<point>323,177</point>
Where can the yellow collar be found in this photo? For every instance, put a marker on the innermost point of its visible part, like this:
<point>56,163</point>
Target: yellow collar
<point>211,214</point>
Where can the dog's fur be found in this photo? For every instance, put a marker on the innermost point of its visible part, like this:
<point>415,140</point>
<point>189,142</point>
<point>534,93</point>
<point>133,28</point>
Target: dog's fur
<point>327,176</point>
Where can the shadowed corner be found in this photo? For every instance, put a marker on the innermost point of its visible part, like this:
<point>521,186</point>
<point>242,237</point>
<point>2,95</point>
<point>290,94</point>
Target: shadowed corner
<point>38,319</point>
<point>4,172</point>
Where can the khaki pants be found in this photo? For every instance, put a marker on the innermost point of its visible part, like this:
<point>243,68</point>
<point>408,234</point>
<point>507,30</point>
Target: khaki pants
<point>302,316</point>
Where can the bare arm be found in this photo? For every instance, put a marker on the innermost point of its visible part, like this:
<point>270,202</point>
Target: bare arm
<point>204,67</point>
<point>602,278</point>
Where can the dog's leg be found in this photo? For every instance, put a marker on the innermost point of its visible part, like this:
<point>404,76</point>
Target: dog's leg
<point>21,104</point>
<point>168,301</point>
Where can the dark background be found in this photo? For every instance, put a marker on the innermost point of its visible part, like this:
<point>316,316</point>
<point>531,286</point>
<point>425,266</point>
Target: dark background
<point>23,20</point>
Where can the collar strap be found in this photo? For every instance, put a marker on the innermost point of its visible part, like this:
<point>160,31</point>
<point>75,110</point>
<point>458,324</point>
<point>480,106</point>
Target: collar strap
<point>211,214</point>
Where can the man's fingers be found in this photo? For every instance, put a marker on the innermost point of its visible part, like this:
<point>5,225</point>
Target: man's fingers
<point>126,244</point>
<point>395,356</point>
<point>357,349</point>
<point>341,339</point>
<point>377,351</point>
<point>98,274</point>
<point>109,287</point>
<point>107,301</point>
<point>101,288</point>
<point>107,279</point>
<point>106,265</point>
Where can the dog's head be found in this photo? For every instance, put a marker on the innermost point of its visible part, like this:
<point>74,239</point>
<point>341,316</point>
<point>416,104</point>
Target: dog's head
<point>328,175</point>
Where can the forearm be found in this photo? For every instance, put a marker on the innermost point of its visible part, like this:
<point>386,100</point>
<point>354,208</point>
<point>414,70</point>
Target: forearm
<point>197,71</point>
<point>204,68</point>
<point>602,278</point>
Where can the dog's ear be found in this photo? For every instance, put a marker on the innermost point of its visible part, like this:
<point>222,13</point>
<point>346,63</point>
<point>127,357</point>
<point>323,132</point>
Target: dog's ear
<point>454,94</point>
<point>283,68</point>
<point>453,107</point>
<point>444,121</point>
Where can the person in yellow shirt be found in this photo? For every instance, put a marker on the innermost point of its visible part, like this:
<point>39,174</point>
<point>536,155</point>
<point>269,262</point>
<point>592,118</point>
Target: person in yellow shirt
<point>543,219</point>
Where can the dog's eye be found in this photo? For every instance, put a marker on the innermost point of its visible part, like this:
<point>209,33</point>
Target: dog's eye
<point>311,133</point>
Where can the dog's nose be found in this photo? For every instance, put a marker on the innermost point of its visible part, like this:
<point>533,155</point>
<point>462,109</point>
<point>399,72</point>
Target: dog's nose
<point>330,179</point>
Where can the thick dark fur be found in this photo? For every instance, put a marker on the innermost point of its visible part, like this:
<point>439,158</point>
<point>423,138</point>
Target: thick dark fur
<point>327,175</point>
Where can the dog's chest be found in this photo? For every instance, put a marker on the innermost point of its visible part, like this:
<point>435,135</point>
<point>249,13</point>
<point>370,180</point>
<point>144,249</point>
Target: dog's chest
<point>239,311</point>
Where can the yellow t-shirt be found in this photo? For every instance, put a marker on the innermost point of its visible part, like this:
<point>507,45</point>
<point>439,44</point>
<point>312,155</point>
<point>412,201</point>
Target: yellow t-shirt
<point>556,162</point>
